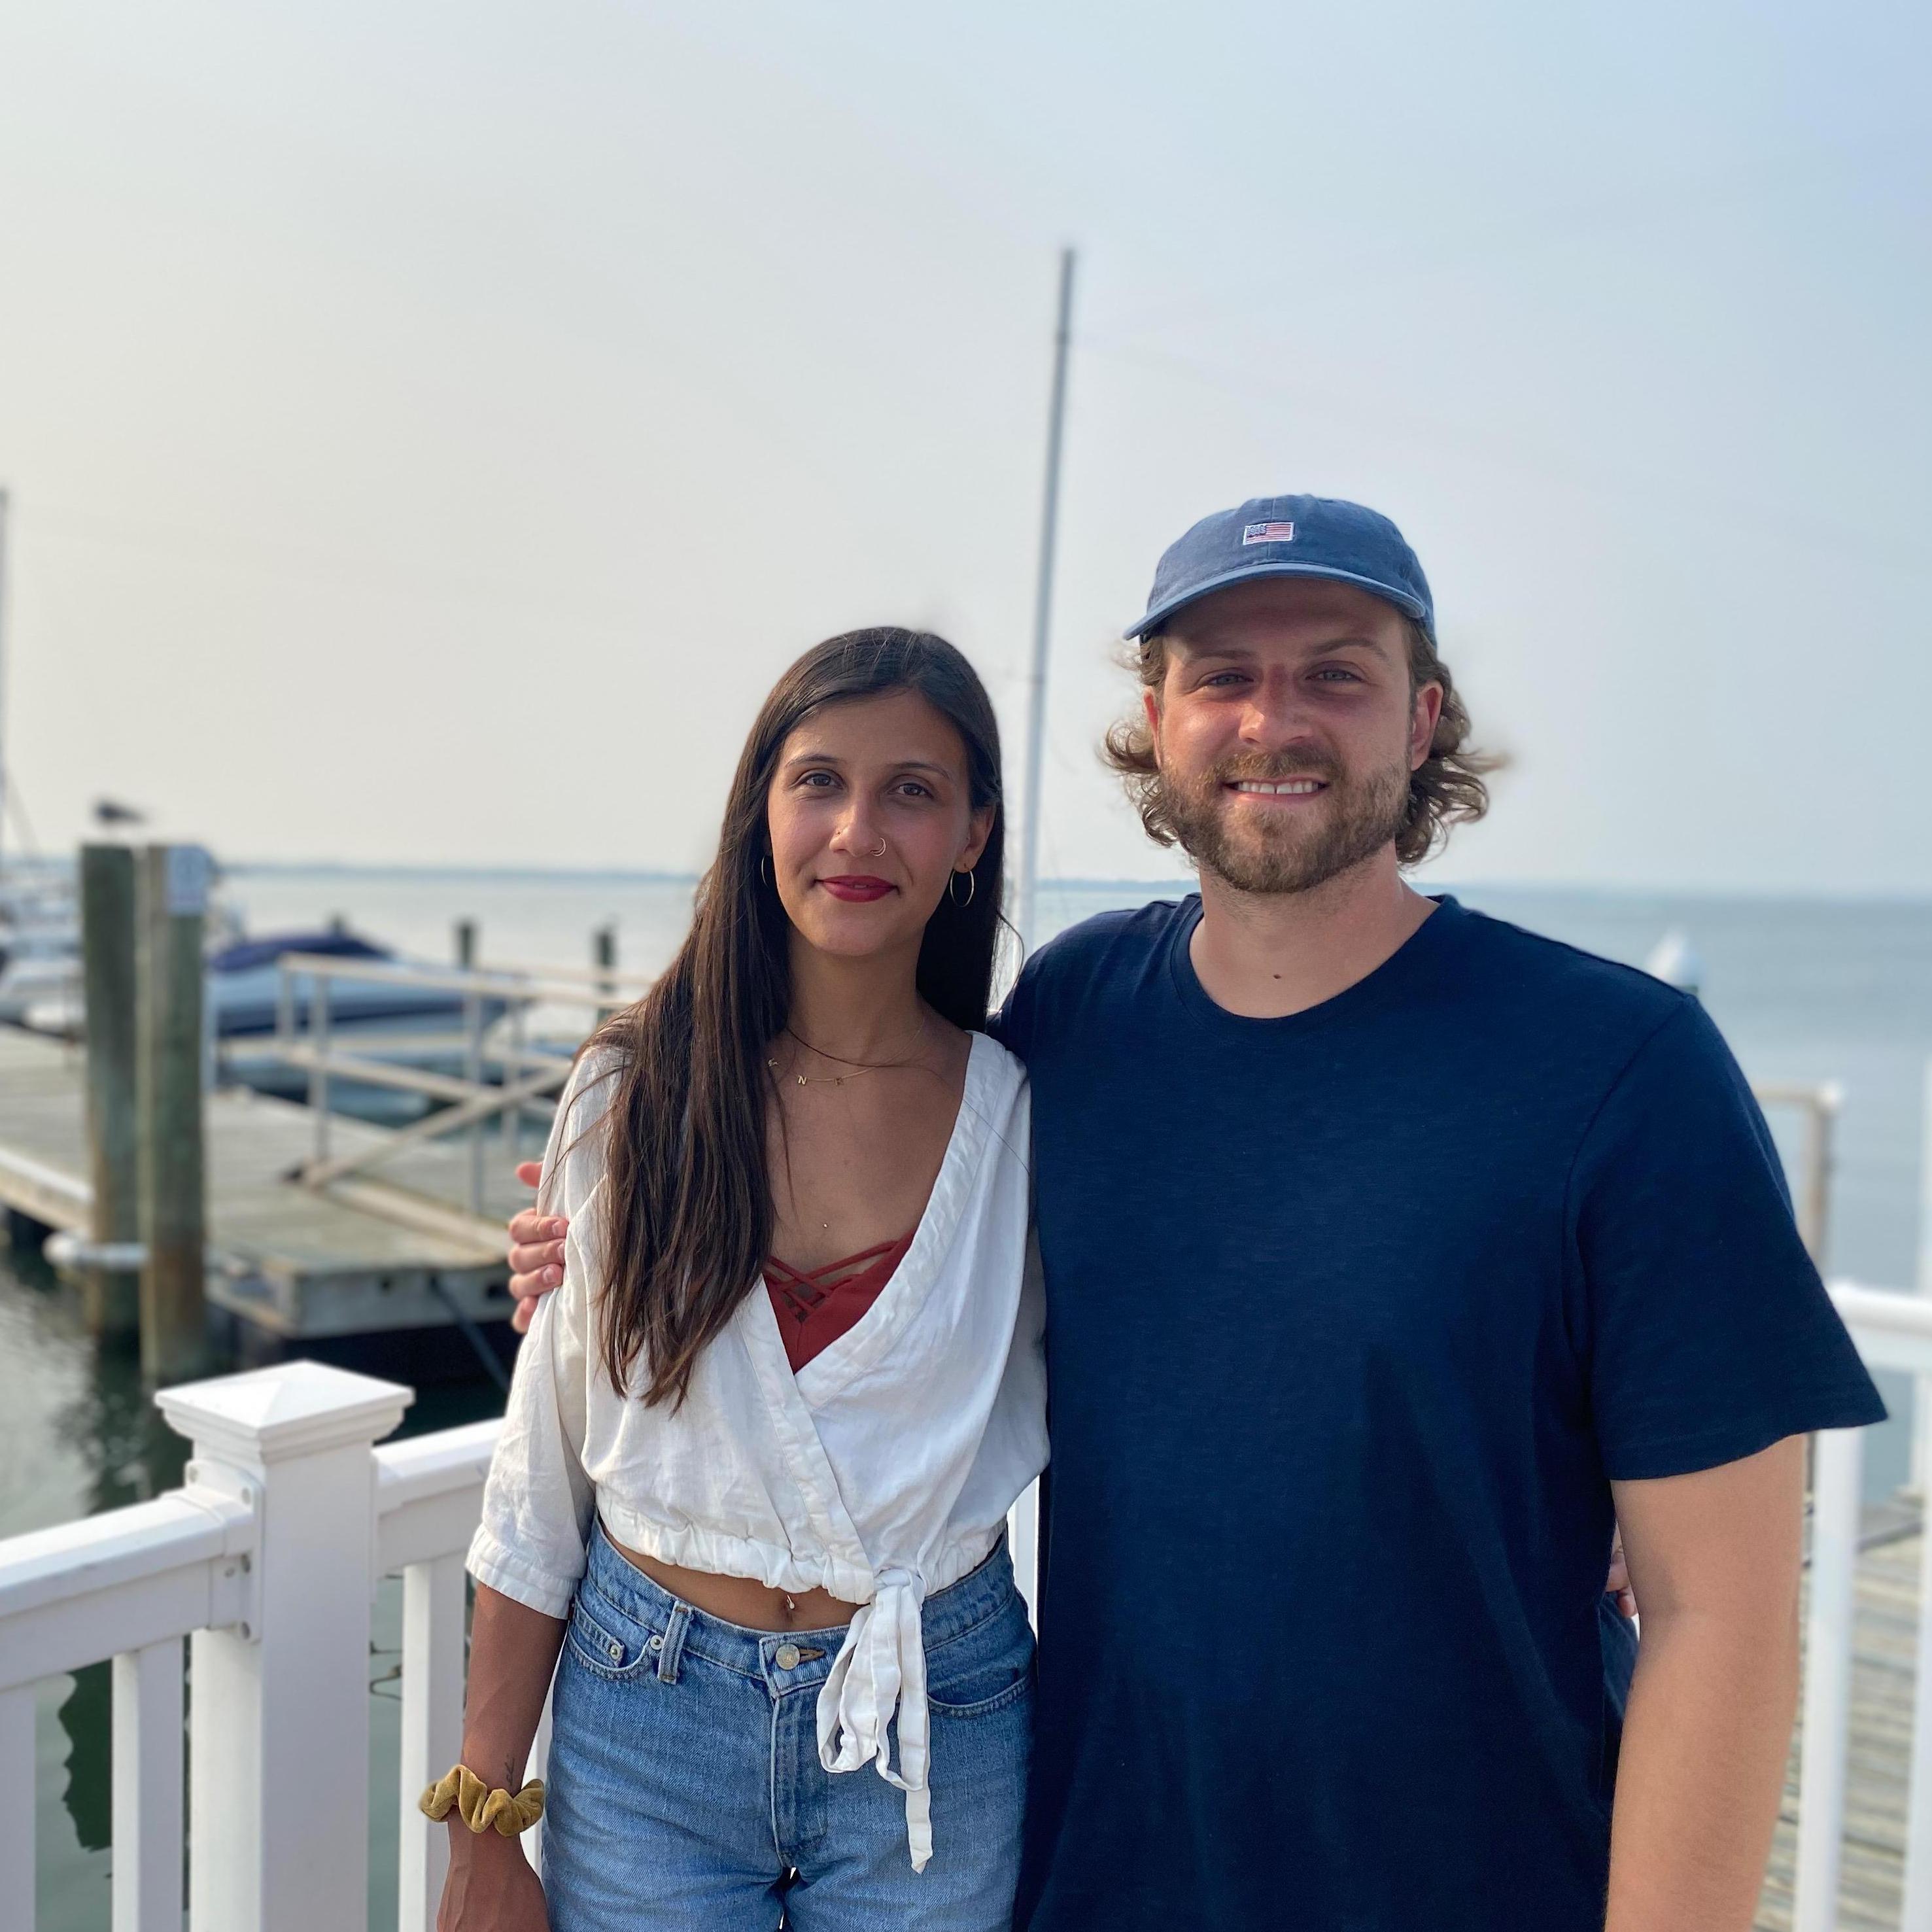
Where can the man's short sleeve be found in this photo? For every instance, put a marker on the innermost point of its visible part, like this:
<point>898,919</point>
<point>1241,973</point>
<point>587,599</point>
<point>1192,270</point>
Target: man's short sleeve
<point>1709,1335</point>
<point>1012,1025</point>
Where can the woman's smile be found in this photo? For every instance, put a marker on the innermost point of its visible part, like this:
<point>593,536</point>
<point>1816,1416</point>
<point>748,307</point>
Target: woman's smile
<point>860,888</point>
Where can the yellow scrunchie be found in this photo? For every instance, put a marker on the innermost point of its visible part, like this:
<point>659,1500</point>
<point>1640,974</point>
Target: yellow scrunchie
<point>480,1806</point>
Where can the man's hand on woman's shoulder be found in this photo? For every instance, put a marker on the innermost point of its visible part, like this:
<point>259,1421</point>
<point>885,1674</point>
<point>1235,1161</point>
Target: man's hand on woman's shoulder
<point>536,1252</point>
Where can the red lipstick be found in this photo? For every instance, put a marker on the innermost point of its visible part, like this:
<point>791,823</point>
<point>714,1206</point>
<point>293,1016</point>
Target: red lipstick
<point>858,888</point>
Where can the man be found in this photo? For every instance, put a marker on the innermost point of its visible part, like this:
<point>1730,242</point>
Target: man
<point>1393,1254</point>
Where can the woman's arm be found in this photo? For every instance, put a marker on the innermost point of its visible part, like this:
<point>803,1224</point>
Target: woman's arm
<point>512,1653</point>
<point>528,1552</point>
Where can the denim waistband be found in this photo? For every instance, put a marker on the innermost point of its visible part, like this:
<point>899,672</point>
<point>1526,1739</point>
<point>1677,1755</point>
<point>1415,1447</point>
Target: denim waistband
<point>982,1592</point>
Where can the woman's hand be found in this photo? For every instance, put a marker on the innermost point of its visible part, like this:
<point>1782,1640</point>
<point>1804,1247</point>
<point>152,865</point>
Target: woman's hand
<point>536,1252</point>
<point>491,1887</point>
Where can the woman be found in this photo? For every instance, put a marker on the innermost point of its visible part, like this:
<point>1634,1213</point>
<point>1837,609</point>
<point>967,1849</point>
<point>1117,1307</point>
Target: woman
<point>761,1443</point>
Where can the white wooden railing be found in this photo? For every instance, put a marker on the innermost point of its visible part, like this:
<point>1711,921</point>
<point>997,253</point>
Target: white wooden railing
<point>1893,1331</point>
<point>265,1562</point>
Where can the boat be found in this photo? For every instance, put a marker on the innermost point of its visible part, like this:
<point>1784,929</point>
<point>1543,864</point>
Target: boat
<point>428,1027</point>
<point>40,940</point>
<point>244,984</point>
<point>380,1018</point>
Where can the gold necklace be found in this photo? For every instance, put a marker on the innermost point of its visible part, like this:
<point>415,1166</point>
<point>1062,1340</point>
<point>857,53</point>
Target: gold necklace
<point>839,1079</point>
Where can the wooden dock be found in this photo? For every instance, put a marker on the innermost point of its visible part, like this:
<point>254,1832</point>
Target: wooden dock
<point>395,1248</point>
<point>1884,1671</point>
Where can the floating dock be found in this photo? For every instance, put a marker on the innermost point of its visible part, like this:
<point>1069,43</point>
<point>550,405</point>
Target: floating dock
<point>1885,1640</point>
<point>361,1255</point>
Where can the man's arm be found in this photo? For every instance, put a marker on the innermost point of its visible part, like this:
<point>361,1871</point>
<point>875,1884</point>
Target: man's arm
<point>1715,1557</point>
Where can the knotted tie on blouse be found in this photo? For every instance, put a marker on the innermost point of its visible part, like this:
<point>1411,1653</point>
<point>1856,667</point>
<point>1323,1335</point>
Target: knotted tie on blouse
<point>881,1667</point>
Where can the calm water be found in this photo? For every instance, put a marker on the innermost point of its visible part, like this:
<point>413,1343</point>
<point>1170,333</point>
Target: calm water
<point>1806,990</point>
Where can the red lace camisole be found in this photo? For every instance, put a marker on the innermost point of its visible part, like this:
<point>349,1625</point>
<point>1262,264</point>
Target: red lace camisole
<point>815,1309</point>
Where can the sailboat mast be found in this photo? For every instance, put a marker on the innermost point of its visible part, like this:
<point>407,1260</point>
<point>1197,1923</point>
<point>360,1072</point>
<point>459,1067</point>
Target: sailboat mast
<point>1042,616</point>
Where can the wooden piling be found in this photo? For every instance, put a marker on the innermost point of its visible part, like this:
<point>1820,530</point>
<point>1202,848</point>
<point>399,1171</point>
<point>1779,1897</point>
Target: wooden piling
<point>604,953</point>
<point>466,943</point>
<point>172,891</point>
<point>110,1296</point>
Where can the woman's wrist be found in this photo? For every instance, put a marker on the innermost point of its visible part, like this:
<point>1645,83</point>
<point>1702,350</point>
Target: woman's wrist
<point>480,1847</point>
<point>500,1765</point>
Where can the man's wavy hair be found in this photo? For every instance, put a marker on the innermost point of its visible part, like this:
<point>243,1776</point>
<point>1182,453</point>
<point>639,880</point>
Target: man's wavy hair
<point>1447,789</point>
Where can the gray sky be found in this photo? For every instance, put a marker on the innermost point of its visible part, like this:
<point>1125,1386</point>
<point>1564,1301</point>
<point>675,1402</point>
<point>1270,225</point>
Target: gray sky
<point>370,374</point>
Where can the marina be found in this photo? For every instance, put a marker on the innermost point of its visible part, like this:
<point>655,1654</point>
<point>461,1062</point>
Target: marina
<point>277,1218</point>
<point>370,1252</point>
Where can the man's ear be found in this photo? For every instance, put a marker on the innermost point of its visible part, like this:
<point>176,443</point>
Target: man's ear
<point>1153,707</point>
<point>1423,718</point>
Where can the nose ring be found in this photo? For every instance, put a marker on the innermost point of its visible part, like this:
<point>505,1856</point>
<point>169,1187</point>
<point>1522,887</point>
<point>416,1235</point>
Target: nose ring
<point>881,852</point>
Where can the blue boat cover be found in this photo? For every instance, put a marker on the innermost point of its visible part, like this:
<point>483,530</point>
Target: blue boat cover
<point>253,952</point>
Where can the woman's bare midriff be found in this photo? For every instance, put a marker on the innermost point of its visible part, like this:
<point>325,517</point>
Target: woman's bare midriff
<point>742,1600</point>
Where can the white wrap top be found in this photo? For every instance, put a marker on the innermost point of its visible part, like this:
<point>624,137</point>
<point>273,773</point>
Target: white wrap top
<point>881,1471</point>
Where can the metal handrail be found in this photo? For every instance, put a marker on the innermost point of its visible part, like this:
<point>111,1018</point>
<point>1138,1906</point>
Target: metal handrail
<point>1822,1101</point>
<point>562,984</point>
<point>527,1078</point>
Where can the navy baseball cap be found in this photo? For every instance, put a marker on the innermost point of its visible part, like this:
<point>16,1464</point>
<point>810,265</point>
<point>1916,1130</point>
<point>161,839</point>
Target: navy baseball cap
<point>1289,536</point>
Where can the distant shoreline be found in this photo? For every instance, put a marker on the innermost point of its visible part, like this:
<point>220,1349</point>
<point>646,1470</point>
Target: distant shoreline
<point>1149,888</point>
<point>1500,888</point>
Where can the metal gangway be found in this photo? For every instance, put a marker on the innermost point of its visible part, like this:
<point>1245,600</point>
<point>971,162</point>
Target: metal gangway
<point>468,1102</point>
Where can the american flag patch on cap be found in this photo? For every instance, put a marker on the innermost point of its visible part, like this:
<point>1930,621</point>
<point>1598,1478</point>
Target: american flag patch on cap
<point>1255,533</point>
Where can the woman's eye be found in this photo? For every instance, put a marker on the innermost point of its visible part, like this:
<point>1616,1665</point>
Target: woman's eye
<point>915,788</point>
<point>817,781</point>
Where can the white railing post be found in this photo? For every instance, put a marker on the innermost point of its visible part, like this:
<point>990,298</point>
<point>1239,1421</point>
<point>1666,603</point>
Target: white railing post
<point>537,1765</point>
<point>1917,1916</point>
<point>1837,1482</point>
<point>279,1735</point>
<point>147,1787</point>
<point>1921,1423</point>
<point>16,1819</point>
<point>434,1598</point>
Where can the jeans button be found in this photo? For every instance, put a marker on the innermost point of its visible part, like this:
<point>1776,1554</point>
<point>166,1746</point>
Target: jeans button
<point>787,1656</point>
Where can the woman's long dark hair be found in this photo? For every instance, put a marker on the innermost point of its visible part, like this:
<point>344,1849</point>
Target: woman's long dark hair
<point>688,1203</point>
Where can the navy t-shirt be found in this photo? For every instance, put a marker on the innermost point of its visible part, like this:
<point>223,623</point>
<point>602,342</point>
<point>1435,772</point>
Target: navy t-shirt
<point>1352,1316</point>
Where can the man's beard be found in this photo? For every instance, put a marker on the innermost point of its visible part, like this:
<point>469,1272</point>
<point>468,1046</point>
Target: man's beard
<point>1264,848</point>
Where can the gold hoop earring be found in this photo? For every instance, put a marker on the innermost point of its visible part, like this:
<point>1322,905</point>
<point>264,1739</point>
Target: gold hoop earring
<point>972,886</point>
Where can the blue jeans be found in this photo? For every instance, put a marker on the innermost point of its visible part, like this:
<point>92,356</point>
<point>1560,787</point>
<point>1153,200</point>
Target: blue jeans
<point>685,1789</point>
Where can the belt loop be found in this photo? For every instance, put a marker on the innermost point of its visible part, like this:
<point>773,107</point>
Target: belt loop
<point>670,1656</point>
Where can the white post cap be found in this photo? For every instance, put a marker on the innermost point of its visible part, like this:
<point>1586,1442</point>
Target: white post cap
<point>294,1409</point>
<point>1674,960</point>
